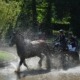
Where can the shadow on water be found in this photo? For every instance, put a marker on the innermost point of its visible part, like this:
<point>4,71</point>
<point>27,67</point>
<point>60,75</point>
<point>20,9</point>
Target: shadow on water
<point>31,73</point>
<point>3,64</point>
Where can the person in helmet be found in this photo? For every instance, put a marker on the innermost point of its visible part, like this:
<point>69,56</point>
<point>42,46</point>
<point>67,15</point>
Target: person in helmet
<point>62,39</point>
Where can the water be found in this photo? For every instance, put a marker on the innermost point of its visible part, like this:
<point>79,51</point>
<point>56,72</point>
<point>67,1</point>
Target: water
<point>54,77</point>
<point>7,73</point>
<point>70,74</point>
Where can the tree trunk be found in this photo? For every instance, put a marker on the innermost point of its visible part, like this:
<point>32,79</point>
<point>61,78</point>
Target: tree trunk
<point>34,16</point>
<point>47,20</point>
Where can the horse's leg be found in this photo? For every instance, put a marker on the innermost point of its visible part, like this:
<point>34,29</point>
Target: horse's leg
<point>25,64</point>
<point>48,62</point>
<point>47,52</point>
<point>40,61</point>
<point>20,63</point>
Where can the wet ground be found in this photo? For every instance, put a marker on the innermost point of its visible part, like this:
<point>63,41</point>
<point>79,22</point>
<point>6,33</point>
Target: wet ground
<point>35,73</point>
<point>7,73</point>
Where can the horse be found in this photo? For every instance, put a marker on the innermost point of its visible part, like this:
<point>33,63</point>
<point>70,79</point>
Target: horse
<point>28,49</point>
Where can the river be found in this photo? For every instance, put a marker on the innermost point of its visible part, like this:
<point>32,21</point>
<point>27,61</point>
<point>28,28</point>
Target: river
<point>8,72</point>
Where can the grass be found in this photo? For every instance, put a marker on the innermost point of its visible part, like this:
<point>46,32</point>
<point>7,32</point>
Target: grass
<point>5,56</point>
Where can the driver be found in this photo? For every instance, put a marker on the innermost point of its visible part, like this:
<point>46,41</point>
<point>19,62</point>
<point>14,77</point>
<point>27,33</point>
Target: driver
<point>61,39</point>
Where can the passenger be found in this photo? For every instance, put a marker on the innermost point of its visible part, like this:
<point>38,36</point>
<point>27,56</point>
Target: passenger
<point>73,42</point>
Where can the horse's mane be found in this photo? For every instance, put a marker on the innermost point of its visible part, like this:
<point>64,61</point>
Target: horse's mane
<point>23,42</point>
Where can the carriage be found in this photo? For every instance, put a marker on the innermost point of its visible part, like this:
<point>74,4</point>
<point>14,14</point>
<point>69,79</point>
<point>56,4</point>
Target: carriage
<point>69,58</point>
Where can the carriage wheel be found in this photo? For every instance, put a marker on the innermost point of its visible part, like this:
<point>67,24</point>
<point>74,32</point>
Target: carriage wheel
<point>66,60</point>
<point>69,60</point>
<point>63,61</point>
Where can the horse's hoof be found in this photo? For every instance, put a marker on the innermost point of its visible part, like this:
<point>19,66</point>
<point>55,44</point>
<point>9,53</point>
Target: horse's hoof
<point>48,69</point>
<point>17,71</point>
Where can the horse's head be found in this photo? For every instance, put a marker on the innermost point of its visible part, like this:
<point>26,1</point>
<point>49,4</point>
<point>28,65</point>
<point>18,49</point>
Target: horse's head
<point>16,38</point>
<point>12,39</point>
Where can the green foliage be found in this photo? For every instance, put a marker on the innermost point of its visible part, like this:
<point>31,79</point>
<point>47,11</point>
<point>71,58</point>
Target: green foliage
<point>8,14</point>
<point>41,10</point>
<point>5,56</point>
<point>31,13</point>
<point>24,19</point>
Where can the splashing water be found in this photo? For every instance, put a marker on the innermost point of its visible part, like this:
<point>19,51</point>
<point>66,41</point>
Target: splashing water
<point>7,73</point>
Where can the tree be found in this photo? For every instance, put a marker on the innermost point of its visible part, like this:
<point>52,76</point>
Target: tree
<point>24,15</point>
<point>75,17</point>
<point>34,16</point>
<point>47,19</point>
<point>8,15</point>
<point>71,9</point>
<point>28,16</point>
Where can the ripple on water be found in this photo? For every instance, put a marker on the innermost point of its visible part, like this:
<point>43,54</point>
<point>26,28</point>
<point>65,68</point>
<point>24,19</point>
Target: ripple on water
<point>54,76</point>
<point>7,73</point>
<point>8,77</point>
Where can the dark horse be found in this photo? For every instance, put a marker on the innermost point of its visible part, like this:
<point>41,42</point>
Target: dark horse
<point>29,49</point>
